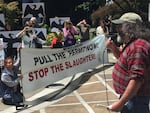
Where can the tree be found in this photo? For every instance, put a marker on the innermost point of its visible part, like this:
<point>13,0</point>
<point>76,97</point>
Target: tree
<point>118,7</point>
<point>12,13</point>
<point>89,6</point>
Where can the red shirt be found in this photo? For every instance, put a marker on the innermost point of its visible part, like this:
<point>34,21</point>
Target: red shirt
<point>54,41</point>
<point>133,63</point>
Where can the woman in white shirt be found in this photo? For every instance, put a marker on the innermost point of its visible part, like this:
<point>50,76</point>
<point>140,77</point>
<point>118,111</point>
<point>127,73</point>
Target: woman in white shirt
<point>102,29</point>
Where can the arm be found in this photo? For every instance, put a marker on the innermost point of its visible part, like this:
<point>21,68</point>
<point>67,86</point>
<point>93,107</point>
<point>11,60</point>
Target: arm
<point>74,30</point>
<point>66,32</point>
<point>78,24</point>
<point>19,35</point>
<point>40,41</point>
<point>7,80</point>
<point>130,92</point>
<point>17,63</point>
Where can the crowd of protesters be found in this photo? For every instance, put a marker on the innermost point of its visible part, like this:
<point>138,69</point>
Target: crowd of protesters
<point>9,71</point>
<point>65,37</point>
<point>10,89</point>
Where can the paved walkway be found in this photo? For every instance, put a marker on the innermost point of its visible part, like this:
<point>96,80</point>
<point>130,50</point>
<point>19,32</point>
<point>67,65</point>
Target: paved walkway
<point>88,92</point>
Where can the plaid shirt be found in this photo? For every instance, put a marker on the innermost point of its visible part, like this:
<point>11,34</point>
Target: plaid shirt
<point>133,63</point>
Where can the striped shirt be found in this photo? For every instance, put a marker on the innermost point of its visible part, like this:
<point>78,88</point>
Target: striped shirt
<point>133,63</point>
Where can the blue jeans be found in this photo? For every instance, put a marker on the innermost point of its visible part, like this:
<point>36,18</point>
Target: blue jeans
<point>138,104</point>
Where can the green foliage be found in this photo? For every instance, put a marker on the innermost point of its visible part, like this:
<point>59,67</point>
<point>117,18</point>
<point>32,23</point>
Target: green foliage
<point>47,28</point>
<point>84,6</point>
<point>90,5</point>
<point>12,13</point>
<point>77,37</point>
<point>50,35</point>
<point>119,7</point>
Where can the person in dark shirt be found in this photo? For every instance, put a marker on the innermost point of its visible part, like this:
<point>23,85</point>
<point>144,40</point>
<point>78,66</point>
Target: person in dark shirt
<point>83,30</point>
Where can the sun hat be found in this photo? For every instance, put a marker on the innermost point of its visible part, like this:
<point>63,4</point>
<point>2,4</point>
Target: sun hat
<point>130,17</point>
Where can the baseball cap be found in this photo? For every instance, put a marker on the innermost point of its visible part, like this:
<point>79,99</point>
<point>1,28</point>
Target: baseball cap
<point>128,17</point>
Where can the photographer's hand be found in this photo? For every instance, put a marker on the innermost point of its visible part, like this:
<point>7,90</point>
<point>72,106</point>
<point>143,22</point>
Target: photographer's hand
<point>110,43</point>
<point>112,46</point>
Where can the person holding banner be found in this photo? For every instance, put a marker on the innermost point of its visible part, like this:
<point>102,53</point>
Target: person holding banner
<point>69,32</point>
<point>10,82</point>
<point>131,74</point>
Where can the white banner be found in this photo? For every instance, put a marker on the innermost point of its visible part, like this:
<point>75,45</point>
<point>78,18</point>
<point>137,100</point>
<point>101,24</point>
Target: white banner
<point>41,67</point>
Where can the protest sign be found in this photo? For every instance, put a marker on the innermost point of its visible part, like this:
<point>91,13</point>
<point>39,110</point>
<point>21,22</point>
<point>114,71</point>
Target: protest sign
<point>41,67</point>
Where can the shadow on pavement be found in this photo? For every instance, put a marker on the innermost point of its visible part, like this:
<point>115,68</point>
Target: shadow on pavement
<point>72,85</point>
